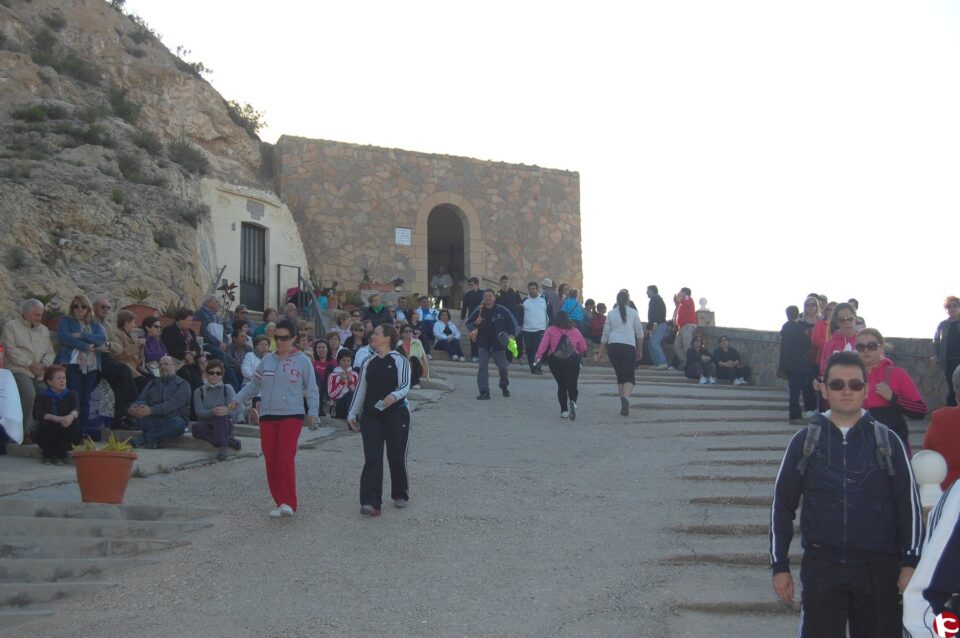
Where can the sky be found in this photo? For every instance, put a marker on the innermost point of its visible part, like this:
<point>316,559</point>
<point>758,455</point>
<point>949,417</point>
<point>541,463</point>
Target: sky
<point>753,151</point>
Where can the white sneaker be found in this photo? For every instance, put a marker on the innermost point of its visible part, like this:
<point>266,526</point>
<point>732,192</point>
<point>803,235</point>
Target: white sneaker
<point>429,357</point>
<point>739,381</point>
<point>564,415</point>
<point>475,360</point>
<point>283,510</point>
<point>713,381</point>
<point>809,414</point>
<point>662,366</point>
<point>703,381</point>
<point>416,387</point>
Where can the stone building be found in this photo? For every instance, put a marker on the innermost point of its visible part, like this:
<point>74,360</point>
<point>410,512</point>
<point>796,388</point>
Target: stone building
<point>396,213</point>
<point>251,240</point>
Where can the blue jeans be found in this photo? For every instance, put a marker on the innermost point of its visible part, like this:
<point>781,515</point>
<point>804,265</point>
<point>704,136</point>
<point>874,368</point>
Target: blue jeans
<point>83,385</point>
<point>157,427</point>
<point>450,346</point>
<point>656,347</point>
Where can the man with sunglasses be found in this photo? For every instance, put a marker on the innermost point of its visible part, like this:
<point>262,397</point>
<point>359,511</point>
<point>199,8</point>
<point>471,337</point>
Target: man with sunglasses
<point>861,523</point>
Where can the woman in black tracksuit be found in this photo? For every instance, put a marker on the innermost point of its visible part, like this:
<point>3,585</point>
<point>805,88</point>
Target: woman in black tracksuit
<point>379,406</point>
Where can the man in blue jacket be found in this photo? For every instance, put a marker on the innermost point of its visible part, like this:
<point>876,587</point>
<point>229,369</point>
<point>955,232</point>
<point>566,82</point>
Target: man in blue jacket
<point>493,324</point>
<point>861,522</point>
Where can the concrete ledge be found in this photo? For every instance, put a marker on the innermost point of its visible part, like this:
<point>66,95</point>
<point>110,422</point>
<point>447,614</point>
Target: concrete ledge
<point>29,527</point>
<point>20,595</point>
<point>61,547</point>
<point>51,570</point>
<point>101,511</point>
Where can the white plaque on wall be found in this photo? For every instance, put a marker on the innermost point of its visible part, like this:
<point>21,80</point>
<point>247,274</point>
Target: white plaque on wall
<point>404,236</point>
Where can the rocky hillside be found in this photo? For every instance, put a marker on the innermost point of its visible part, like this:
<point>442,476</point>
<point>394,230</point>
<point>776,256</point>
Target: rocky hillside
<point>104,137</point>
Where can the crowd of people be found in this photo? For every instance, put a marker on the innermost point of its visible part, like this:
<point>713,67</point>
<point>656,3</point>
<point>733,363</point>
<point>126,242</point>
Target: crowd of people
<point>861,526</point>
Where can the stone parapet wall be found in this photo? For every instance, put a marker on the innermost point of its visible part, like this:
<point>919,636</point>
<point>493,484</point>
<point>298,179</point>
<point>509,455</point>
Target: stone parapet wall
<point>761,351</point>
<point>349,199</point>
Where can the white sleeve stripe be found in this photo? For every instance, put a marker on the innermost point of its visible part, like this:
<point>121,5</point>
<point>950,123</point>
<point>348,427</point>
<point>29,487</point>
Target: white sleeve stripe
<point>916,538</point>
<point>773,505</point>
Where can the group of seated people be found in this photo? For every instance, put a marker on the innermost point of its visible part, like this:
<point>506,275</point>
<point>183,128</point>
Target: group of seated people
<point>722,363</point>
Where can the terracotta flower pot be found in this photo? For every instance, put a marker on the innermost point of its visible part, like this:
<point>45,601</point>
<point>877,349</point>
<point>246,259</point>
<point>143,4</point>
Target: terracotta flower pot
<point>166,321</point>
<point>103,476</point>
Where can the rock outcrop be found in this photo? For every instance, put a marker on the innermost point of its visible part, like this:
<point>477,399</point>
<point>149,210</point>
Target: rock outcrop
<point>104,135</point>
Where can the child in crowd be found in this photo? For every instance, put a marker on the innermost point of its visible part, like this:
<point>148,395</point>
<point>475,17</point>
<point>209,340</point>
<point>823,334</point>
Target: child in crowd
<point>342,329</point>
<point>341,383</point>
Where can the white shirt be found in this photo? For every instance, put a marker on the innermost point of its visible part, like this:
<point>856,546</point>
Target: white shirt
<point>616,330</point>
<point>535,316</point>
<point>438,333</point>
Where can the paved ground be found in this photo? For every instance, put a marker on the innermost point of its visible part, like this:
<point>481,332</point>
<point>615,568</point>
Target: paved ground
<point>521,524</point>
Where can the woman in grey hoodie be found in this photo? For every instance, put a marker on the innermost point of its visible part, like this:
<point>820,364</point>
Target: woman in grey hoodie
<point>283,379</point>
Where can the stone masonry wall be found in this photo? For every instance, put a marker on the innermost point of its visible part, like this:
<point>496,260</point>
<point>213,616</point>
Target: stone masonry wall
<point>761,351</point>
<point>348,199</point>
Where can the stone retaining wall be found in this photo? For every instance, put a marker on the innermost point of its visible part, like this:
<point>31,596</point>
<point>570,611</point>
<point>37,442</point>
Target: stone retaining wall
<point>761,351</point>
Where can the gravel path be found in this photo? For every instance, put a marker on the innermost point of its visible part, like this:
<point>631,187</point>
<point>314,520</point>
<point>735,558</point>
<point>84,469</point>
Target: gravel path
<point>520,524</point>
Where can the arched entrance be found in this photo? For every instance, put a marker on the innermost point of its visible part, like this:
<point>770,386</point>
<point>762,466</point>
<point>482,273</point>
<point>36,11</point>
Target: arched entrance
<point>446,247</point>
<point>470,235</point>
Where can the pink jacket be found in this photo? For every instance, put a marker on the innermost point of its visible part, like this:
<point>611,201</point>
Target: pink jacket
<point>551,339</point>
<point>904,389</point>
<point>836,343</point>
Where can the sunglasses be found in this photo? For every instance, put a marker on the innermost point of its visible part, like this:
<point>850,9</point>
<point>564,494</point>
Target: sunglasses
<point>873,346</point>
<point>855,385</point>
<point>80,306</point>
<point>847,318</point>
<point>952,306</point>
<point>283,337</point>
<point>214,373</point>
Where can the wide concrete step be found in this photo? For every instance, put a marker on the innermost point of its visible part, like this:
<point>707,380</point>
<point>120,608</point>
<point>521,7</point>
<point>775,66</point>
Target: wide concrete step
<point>14,616</point>
<point>21,595</point>
<point>29,527</point>
<point>66,547</point>
<point>52,570</point>
<point>102,511</point>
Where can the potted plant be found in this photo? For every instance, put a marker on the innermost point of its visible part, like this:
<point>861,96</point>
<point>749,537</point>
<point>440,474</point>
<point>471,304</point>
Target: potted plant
<point>397,283</point>
<point>140,310</point>
<point>103,470</point>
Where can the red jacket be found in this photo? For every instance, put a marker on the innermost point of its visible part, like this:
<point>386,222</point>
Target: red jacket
<point>818,337</point>
<point>943,436</point>
<point>904,389</point>
<point>686,314</point>
<point>836,343</point>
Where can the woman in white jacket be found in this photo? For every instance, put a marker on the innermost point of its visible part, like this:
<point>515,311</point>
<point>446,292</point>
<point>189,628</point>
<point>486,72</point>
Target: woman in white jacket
<point>622,336</point>
<point>447,336</point>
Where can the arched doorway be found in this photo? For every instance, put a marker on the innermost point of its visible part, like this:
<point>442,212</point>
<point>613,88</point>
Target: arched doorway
<point>446,247</point>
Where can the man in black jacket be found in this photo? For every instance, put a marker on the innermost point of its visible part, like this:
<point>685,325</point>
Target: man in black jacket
<point>493,324</point>
<point>794,361</point>
<point>861,522</point>
<point>510,299</point>
<point>471,299</point>
<point>657,327</point>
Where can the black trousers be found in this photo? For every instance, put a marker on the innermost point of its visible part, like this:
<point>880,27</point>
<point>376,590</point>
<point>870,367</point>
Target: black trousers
<point>120,378</point>
<point>531,341</point>
<point>55,440</point>
<point>416,371</point>
<point>796,384</point>
<point>567,373</point>
<point>863,595</point>
<point>951,391</point>
<point>810,395</point>
<point>733,373</point>
<point>342,406</point>
<point>390,428</point>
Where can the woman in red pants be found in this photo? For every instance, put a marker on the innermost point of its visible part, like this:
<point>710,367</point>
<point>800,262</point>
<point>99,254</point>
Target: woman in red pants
<point>283,379</point>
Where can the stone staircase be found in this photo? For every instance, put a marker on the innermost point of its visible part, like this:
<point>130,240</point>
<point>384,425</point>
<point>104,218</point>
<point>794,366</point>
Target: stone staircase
<point>52,551</point>
<point>733,442</point>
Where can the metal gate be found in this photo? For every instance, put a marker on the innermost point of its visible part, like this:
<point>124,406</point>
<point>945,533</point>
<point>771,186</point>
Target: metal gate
<point>253,265</point>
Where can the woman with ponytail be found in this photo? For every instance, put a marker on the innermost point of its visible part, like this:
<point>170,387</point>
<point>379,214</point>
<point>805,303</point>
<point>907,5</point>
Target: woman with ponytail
<point>622,336</point>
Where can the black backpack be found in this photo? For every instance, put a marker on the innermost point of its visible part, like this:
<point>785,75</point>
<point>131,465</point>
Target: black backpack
<point>564,349</point>
<point>879,432</point>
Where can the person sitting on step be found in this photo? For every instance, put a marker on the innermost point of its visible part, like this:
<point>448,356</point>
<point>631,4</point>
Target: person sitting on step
<point>447,336</point>
<point>341,383</point>
<point>729,365</point>
<point>700,362</point>
<point>163,407</point>
<point>56,412</point>
<point>211,402</point>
